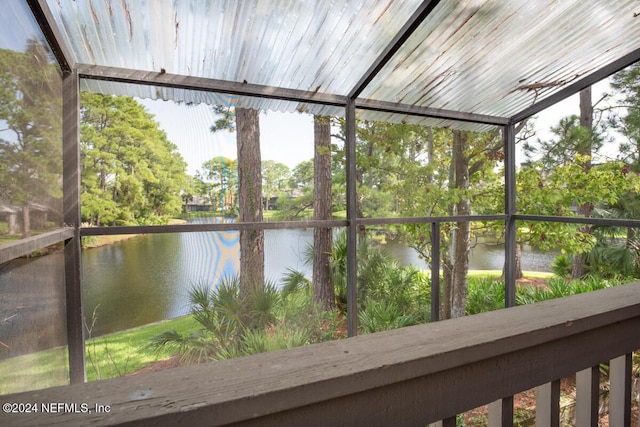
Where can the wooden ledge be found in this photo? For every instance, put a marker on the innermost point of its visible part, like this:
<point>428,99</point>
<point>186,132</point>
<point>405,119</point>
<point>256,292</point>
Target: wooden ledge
<point>13,250</point>
<point>409,376</point>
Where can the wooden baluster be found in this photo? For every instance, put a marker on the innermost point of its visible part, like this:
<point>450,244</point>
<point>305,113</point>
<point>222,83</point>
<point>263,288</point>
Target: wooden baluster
<point>501,413</point>
<point>587,397</point>
<point>548,404</point>
<point>620,391</point>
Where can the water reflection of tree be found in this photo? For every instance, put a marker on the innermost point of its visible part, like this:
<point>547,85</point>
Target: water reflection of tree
<point>30,133</point>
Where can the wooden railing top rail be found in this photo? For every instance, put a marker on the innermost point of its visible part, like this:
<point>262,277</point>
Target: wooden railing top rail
<point>410,376</point>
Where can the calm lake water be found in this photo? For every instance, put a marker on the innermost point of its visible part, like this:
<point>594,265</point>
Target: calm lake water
<point>146,279</point>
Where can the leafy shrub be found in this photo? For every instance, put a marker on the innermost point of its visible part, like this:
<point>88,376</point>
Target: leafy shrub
<point>381,278</point>
<point>278,338</point>
<point>484,294</point>
<point>233,325</point>
<point>561,266</point>
<point>88,241</point>
<point>378,316</point>
<point>559,288</point>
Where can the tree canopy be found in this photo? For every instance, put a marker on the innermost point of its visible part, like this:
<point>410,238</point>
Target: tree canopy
<point>131,172</point>
<point>30,131</point>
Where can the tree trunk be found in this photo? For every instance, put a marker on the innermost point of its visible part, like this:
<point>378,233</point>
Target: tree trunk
<point>586,120</point>
<point>519,274</point>
<point>463,229</point>
<point>13,223</point>
<point>250,199</point>
<point>323,292</point>
<point>26,221</point>
<point>447,280</point>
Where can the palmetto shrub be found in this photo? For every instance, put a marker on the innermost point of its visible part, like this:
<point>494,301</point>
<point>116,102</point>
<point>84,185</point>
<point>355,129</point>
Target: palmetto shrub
<point>487,294</point>
<point>558,288</point>
<point>484,294</point>
<point>389,295</point>
<point>233,325</point>
<point>381,315</point>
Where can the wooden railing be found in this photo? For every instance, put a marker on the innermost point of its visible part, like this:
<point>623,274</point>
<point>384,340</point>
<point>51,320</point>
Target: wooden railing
<point>411,376</point>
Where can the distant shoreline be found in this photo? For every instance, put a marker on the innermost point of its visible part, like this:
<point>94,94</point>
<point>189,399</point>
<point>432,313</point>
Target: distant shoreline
<point>99,241</point>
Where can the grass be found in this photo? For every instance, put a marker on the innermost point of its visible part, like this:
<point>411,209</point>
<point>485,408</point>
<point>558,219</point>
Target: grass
<point>126,351</point>
<point>498,273</point>
<point>34,371</point>
<point>107,356</point>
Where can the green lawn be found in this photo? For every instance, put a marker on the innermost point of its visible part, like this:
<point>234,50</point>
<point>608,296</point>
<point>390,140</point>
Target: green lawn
<point>107,356</point>
<point>498,273</point>
<point>33,371</point>
<point>122,352</point>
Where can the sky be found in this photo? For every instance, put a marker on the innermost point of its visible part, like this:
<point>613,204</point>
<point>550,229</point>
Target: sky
<point>571,105</point>
<point>18,26</point>
<point>552,115</point>
<point>285,137</point>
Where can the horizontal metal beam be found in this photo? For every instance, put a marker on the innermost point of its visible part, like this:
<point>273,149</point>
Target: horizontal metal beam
<point>581,220</point>
<point>414,110</point>
<point>26,246</point>
<point>576,87</point>
<point>194,228</point>
<point>236,226</point>
<point>414,21</point>
<point>44,18</point>
<point>122,75</point>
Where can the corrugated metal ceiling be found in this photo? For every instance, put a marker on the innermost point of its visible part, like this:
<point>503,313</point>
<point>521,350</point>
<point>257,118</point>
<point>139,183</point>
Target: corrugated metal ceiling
<point>492,57</point>
<point>497,57</point>
<point>311,45</point>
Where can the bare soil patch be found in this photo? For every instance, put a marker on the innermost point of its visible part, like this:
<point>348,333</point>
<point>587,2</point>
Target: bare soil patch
<point>538,282</point>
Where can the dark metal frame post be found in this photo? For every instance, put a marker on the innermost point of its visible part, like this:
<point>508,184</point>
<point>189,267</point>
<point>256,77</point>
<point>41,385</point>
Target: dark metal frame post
<point>501,411</point>
<point>44,18</point>
<point>435,271</point>
<point>510,223</point>
<point>352,220</point>
<point>71,206</point>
